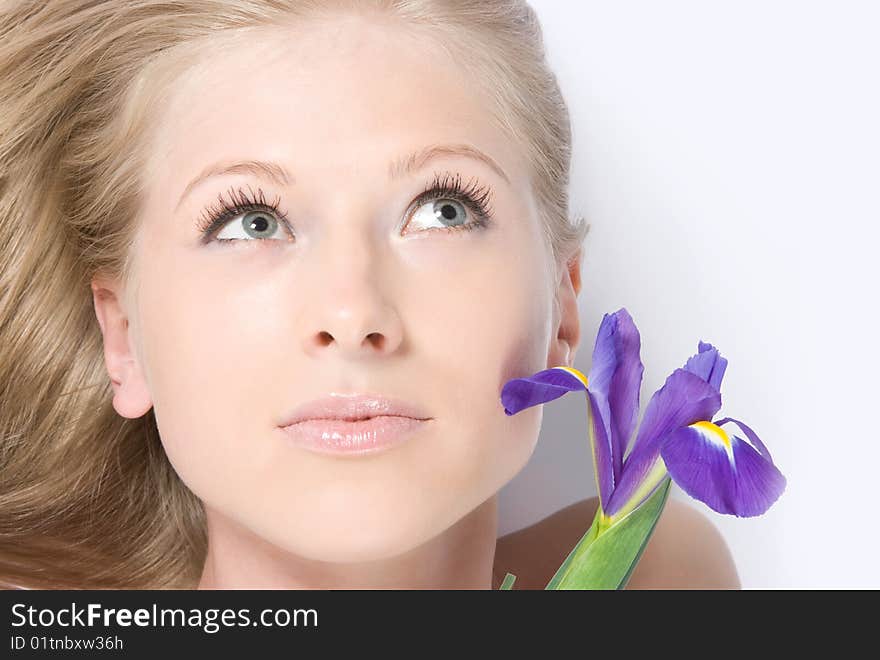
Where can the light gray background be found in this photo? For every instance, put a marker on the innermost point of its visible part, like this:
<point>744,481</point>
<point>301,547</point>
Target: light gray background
<point>727,155</point>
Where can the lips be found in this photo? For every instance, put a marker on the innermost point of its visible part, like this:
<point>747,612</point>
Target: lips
<point>353,424</point>
<point>368,436</point>
<point>354,407</point>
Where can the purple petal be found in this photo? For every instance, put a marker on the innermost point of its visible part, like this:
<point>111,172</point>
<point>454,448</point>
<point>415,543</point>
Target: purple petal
<point>708,365</point>
<point>615,378</point>
<point>541,387</point>
<point>685,398</point>
<point>723,471</point>
<point>600,445</point>
<point>750,434</point>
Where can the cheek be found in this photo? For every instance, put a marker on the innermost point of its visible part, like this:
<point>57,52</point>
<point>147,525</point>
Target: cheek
<point>208,351</point>
<point>492,325</point>
<point>495,318</point>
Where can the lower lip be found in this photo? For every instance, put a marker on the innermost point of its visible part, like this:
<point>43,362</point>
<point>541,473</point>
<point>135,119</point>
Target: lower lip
<point>366,436</point>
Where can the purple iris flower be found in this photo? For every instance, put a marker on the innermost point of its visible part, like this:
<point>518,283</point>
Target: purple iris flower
<point>677,438</point>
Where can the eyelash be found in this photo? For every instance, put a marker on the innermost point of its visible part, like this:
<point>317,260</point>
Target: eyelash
<point>476,197</point>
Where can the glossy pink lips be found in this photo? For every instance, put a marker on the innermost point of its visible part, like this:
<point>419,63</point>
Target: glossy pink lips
<point>365,436</point>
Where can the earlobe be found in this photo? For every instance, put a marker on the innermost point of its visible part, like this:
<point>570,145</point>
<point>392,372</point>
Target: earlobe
<point>131,397</point>
<point>565,343</point>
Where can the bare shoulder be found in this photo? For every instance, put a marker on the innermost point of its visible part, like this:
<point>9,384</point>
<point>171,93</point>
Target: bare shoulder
<point>686,550</point>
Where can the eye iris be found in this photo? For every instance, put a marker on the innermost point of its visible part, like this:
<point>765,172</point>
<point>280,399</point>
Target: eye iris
<point>256,224</point>
<point>448,210</point>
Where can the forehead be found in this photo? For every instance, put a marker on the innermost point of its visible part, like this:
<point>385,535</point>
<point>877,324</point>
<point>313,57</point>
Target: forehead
<point>347,93</point>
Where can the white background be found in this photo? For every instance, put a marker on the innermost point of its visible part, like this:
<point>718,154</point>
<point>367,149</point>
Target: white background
<point>727,155</point>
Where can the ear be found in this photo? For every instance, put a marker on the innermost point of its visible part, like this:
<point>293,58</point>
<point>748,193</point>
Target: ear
<point>131,397</point>
<point>564,345</point>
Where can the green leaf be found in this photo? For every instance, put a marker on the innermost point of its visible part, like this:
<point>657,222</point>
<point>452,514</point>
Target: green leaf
<point>606,560</point>
<point>507,583</point>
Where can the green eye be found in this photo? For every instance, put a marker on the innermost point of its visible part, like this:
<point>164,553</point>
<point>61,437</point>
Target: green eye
<point>245,218</point>
<point>447,205</point>
<point>252,224</point>
<point>440,213</point>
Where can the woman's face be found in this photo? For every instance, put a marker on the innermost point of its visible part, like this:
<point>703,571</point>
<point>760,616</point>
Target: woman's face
<point>354,290</point>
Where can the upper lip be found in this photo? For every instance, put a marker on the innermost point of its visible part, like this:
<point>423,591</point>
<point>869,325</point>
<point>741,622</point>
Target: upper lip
<point>353,407</point>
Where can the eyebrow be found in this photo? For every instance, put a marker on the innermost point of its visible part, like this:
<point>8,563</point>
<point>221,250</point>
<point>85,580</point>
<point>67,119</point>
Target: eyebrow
<point>398,169</point>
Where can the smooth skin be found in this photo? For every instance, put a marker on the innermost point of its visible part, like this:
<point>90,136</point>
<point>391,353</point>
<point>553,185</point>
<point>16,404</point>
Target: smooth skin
<point>350,295</point>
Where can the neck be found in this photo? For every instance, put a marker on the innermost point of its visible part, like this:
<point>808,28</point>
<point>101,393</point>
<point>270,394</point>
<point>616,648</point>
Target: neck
<point>461,557</point>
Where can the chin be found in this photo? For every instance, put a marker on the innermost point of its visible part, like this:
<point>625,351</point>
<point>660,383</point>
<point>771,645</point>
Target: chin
<point>350,531</point>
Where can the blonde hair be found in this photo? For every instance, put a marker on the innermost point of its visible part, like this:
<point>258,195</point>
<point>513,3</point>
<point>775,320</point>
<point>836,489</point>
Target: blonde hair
<point>88,499</point>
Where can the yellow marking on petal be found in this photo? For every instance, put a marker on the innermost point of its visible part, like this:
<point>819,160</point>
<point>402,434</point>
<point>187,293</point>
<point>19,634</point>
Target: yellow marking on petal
<point>577,374</point>
<point>718,435</point>
<point>714,429</point>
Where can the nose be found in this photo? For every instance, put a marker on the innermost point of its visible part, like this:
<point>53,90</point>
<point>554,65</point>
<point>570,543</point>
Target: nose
<point>353,312</point>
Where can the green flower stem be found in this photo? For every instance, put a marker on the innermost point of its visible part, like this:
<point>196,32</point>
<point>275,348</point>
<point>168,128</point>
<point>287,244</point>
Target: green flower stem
<point>605,557</point>
<point>507,584</point>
